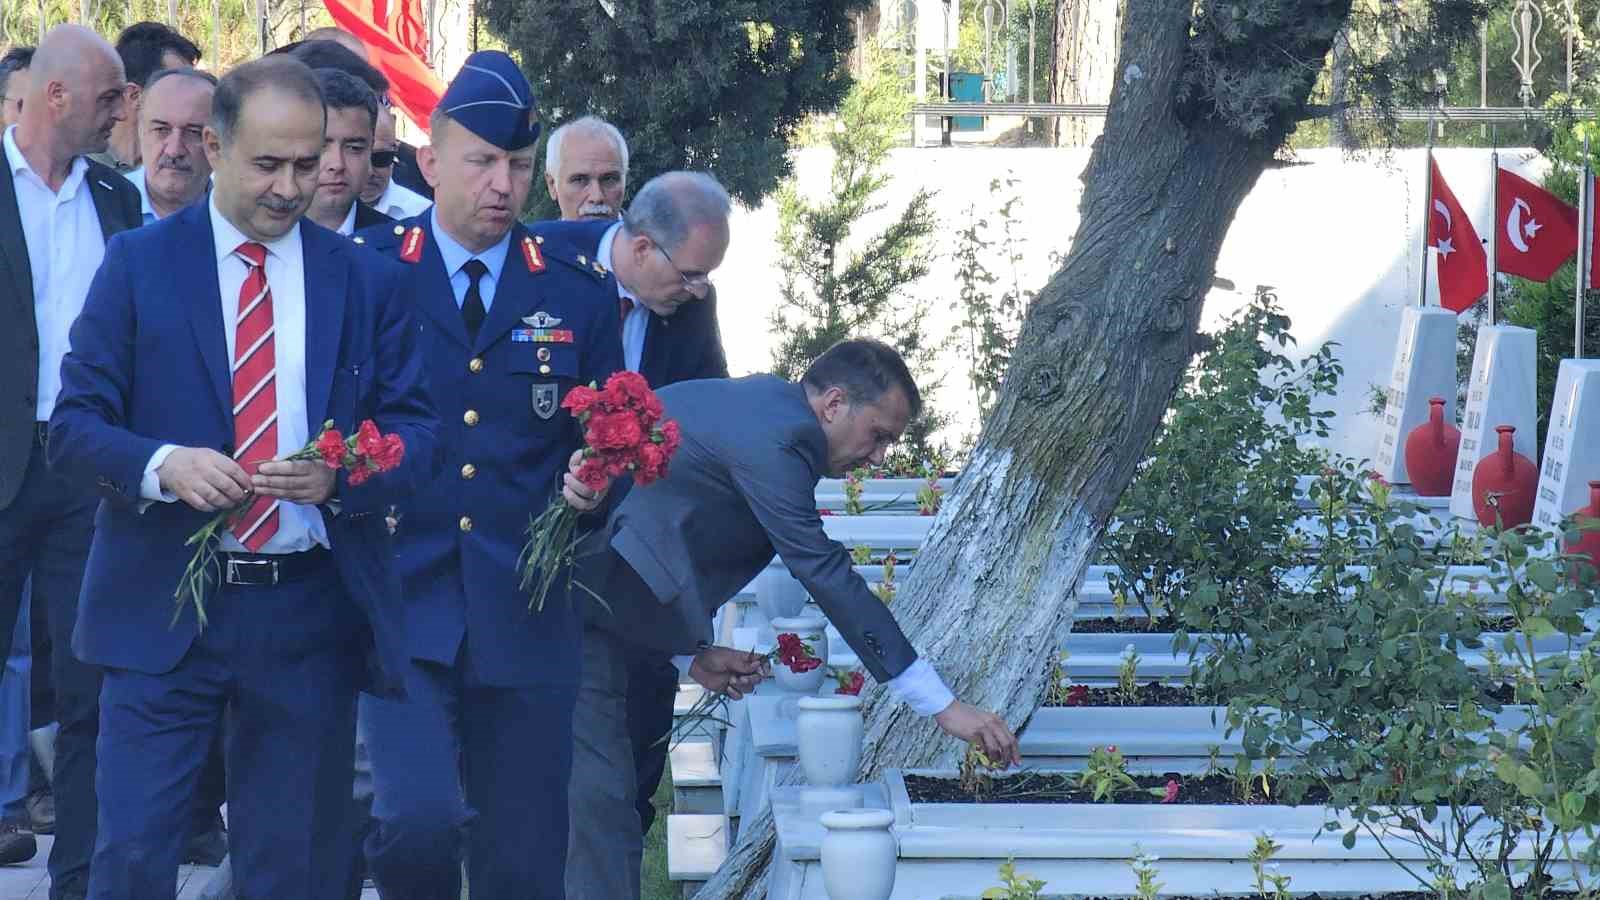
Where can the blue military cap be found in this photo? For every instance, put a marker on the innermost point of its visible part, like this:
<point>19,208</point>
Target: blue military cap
<point>492,98</point>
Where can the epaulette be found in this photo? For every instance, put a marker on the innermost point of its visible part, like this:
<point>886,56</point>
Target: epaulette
<point>411,242</point>
<point>536,248</point>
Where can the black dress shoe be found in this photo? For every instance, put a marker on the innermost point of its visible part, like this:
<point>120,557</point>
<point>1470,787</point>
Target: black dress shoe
<point>207,848</point>
<point>41,806</point>
<point>17,844</point>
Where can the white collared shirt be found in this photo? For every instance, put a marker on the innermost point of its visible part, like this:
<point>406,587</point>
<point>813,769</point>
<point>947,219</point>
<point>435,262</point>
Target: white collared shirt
<point>348,226</point>
<point>400,202</point>
<point>637,322</point>
<point>298,526</point>
<point>148,212</point>
<point>455,256</point>
<point>65,247</point>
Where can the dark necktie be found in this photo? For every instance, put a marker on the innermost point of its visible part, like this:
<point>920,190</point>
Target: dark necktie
<point>472,311</point>
<point>625,307</point>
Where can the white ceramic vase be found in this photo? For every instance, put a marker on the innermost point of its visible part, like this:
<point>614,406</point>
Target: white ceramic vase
<point>780,595</point>
<point>828,731</point>
<point>814,632</point>
<point>858,854</point>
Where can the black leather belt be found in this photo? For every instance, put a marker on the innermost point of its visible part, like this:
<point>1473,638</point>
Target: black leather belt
<point>266,569</point>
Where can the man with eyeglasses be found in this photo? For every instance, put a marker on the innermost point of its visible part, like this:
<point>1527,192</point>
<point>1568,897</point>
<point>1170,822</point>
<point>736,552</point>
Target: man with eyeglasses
<point>176,104</point>
<point>382,191</point>
<point>674,234</point>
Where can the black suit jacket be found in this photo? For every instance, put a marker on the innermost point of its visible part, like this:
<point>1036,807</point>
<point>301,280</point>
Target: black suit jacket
<point>366,216</point>
<point>117,203</point>
<point>683,347</point>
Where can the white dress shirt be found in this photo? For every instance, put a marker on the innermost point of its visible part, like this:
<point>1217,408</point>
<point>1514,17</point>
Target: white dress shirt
<point>400,202</point>
<point>65,247</point>
<point>299,527</point>
<point>348,226</point>
<point>455,256</point>
<point>136,178</point>
<point>637,322</point>
<point>919,685</point>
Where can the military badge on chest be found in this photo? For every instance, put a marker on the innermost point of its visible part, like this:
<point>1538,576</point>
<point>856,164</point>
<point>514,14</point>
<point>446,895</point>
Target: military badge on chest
<point>542,331</point>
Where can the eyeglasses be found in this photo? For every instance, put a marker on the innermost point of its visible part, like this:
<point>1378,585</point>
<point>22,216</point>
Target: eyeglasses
<point>383,159</point>
<point>698,282</point>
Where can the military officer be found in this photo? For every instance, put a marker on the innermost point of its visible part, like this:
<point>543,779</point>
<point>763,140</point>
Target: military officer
<point>476,761</point>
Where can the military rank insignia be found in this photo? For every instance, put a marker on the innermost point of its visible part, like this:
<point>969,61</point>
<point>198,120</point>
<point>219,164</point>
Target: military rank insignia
<point>411,247</point>
<point>530,252</point>
<point>544,331</point>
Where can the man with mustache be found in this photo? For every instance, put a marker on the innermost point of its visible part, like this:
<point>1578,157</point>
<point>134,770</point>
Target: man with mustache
<point>145,48</point>
<point>352,110</point>
<point>57,211</point>
<point>214,344</point>
<point>475,761</point>
<point>662,253</point>
<point>586,169</point>
<point>172,118</point>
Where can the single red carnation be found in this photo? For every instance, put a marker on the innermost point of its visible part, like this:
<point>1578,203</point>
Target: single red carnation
<point>652,464</point>
<point>580,400</point>
<point>614,431</point>
<point>1077,695</point>
<point>628,387</point>
<point>394,451</point>
<point>359,473</point>
<point>671,436</point>
<point>851,684</point>
<point>369,442</point>
<point>592,473</point>
<point>330,446</point>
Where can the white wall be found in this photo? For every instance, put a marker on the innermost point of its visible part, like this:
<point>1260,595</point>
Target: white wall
<point>1337,237</point>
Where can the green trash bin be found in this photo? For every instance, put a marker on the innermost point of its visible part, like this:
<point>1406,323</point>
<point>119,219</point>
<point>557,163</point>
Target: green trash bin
<point>966,87</point>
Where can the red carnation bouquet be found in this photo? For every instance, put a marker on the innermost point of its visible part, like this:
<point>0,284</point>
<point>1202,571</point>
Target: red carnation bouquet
<point>623,432</point>
<point>362,455</point>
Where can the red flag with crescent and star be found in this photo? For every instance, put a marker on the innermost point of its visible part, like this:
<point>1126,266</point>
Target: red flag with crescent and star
<point>397,42</point>
<point>1534,230</point>
<point>1463,265</point>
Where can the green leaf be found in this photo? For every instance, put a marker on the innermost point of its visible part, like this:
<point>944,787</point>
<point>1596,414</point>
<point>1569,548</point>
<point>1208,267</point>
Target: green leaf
<point>1349,839</point>
<point>1538,627</point>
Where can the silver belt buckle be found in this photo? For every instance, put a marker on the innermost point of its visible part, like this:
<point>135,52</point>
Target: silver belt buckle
<point>237,568</point>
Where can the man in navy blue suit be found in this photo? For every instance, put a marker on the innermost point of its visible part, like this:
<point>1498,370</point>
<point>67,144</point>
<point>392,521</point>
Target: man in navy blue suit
<point>214,343</point>
<point>476,761</point>
<point>662,252</point>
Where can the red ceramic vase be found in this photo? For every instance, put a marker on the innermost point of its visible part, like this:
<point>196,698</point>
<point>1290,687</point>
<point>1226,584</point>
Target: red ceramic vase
<point>1510,477</point>
<point>1431,453</point>
<point>1588,543</point>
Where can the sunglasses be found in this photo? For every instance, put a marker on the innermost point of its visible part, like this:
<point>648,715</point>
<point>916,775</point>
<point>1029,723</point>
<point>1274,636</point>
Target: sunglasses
<point>383,159</point>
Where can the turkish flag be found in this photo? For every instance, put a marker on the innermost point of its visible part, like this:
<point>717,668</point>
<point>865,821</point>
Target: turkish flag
<point>397,41</point>
<point>1463,264</point>
<point>1534,230</point>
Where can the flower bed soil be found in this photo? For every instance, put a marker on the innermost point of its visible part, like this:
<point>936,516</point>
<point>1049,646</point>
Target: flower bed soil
<point>1057,787</point>
<point>1152,694</point>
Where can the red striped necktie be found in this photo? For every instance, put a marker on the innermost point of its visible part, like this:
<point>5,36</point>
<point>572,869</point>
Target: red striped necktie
<point>255,395</point>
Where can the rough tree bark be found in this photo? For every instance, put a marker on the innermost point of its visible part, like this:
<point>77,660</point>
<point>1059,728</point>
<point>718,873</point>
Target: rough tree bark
<point>1085,40</point>
<point>1096,365</point>
<point>1339,132</point>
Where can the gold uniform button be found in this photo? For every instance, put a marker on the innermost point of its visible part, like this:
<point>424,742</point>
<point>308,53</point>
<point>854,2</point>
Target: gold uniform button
<point>466,523</point>
<point>470,417</point>
<point>544,370</point>
<point>475,365</point>
<point>469,471</point>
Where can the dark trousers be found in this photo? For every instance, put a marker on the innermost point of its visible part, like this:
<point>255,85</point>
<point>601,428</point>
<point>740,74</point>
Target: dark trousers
<point>45,535</point>
<point>461,768</point>
<point>281,664</point>
<point>652,688</point>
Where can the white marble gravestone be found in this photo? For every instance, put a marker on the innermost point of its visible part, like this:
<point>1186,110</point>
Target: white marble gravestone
<point>1499,392</point>
<point>1571,445</point>
<point>1424,366</point>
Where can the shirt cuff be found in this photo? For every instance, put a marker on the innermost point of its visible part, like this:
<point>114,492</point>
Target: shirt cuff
<point>922,689</point>
<point>683,663</point>
<point>150,485</point>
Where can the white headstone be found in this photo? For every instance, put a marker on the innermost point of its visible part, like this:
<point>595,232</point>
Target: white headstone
<point>1501,391</point>
<point>1571,444</point>
<point>1424,366</point>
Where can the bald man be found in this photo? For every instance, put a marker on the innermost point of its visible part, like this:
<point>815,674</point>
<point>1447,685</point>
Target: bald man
<point>57,209</point>
<point>342,37</point>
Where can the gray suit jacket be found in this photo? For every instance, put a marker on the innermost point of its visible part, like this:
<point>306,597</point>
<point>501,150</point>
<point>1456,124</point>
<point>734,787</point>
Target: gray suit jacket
<point>741,487</point>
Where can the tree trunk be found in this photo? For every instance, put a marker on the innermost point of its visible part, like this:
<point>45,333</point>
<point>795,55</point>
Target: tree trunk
<point>1096,365</point>
<point>1339,131</point>
<point>1085,44</point>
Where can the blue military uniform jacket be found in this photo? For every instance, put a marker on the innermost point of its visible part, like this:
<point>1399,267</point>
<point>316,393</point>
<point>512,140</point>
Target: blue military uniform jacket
<point>504,442</point>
